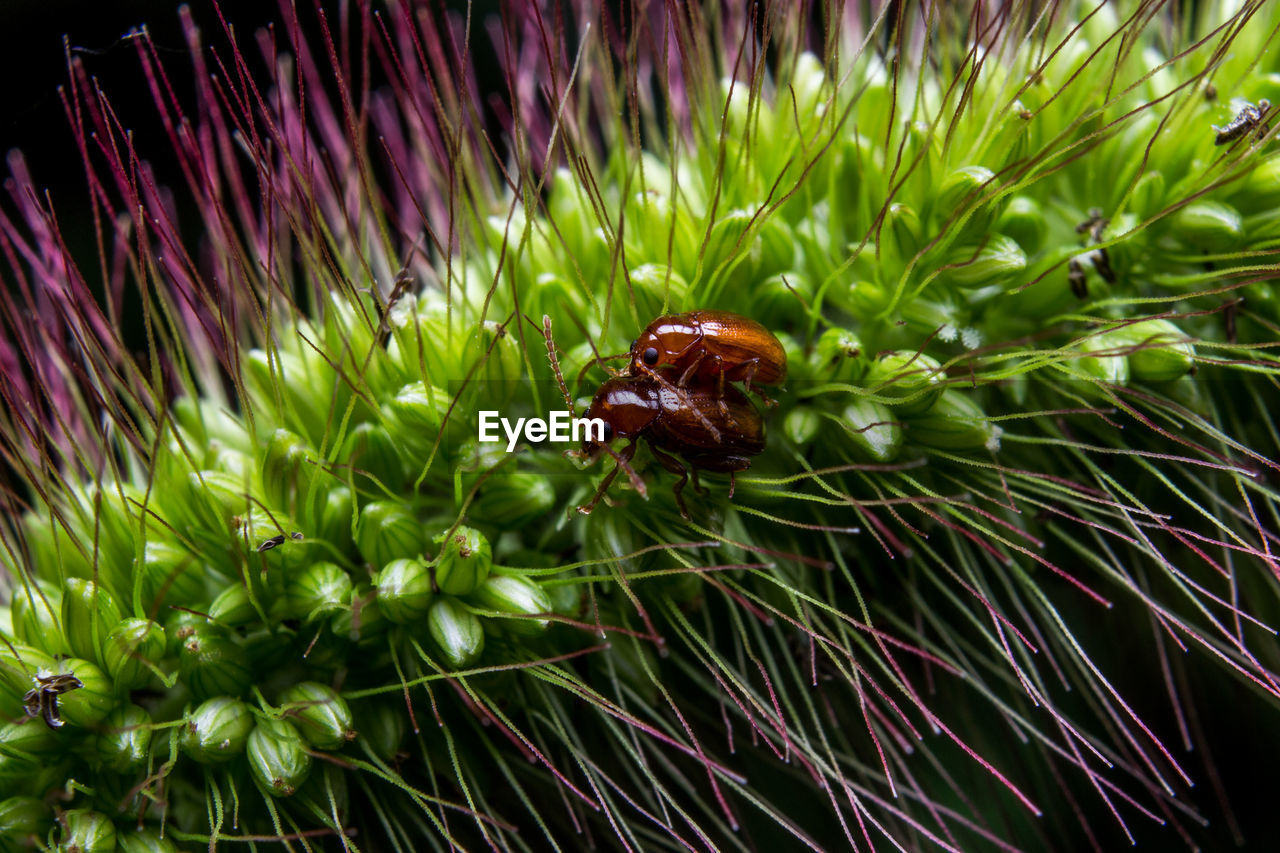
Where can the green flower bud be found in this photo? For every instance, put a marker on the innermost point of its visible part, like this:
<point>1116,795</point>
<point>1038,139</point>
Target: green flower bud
<point>18,667</point>
<point>364,620</point>
<point>463,562</point>
<point>233,607</point>
<point>516,596</point>
<point>319,713</point>
<point>386,532</point>
<point>28,742</point>
<point>424,344</point>
<point>383,726</point>
<point>802,425</point>
<point>963,188</point>
<point>85,831</point>
<point>125,738</point>
<point>171,575</point>
<point>88,614</point>
<point>217,730</point>
<point>87,705</point>
<point>902,235</point>
<point>131,646</point>
<point>1023,220</point>
<point>727,243</point>
<point>941,317</point>
<point>503,366</point>
<point>211,664</point>
<point>319,589</point>
<point>210,499</point>
<point>783,296</point>
<point>278,757</point>
<point>404,590</point>
<point>24,822</point>
<point>1161,351</point>
<point>34,610</point>
<point>145,840</point>
<point>334,518</point>
<point>911,381</point>
<point>1260,192</point>
<point>1112,368</point>
<point>512,500</point>
<point>457,632</point>
<point>566,598</point>
<point>862,297</point>
<point>417,411</point>
<point>557,296</point>
<point>997,259</point>
<point>873,430</point>
<point>837,357</point>
<point>1209,225</point>
<point>774,250</point>
<point>370,450</point>
<point>956,422</point>
<point>281,382</point>
<point>288,465</point>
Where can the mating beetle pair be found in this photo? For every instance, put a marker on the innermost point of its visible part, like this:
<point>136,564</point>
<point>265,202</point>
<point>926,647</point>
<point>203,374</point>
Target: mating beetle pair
<point>674,393</point>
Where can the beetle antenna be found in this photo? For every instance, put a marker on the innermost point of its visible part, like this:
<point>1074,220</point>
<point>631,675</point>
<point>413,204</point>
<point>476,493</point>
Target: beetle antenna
<point>555,362</point>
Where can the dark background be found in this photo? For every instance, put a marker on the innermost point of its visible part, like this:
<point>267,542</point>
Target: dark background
<point>1242,732</point>
<point>33,64</point>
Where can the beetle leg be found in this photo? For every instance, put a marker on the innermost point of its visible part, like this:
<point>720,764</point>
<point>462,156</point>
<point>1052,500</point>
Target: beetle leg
<point>692,369</point>
<point>624,461</point>
<point>697,487</point>
<point>684,400</point>
<point>752,366</point>
<point>675,466</point>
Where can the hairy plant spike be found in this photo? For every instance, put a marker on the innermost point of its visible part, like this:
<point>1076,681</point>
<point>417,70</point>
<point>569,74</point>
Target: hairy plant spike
<point>1020,260</point>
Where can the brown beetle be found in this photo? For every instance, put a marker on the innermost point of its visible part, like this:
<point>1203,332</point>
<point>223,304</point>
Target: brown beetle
<point>709,345</point>
<point>673,422</point>
<point>710,429</point>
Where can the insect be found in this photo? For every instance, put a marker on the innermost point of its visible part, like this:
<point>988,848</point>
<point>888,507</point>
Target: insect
<point>710,345</point>
<point>1076,278</point>
<point>1248,119</point>
<point>1094,226</point>
<point>706,428</point>
<point>671,420</point>
<point>42,700</point>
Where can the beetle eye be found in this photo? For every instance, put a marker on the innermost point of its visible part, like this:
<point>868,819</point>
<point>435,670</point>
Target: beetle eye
<point>651,356</point>
<point>608,431</point>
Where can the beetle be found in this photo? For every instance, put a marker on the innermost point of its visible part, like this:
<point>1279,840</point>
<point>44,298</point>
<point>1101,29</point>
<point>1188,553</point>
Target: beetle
<point>674,422</point>
<point>709,345</point>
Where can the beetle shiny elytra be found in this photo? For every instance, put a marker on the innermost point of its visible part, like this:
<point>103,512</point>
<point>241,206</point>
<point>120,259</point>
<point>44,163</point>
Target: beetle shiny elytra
<point>709,345</point>
<point>674,422</point>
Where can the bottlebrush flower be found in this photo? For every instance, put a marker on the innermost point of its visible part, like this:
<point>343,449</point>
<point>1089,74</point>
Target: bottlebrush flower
<point>1014,513</point>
